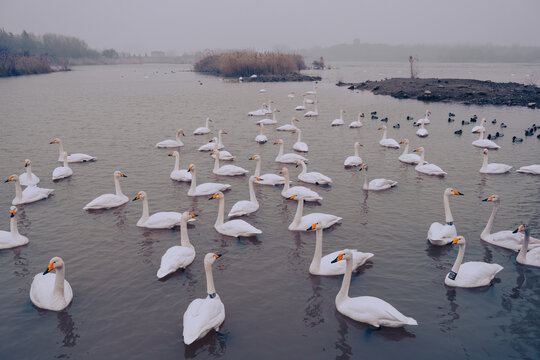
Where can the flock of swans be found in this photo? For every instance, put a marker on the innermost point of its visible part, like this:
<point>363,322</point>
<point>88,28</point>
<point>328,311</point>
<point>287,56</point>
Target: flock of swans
<point>50,290</point>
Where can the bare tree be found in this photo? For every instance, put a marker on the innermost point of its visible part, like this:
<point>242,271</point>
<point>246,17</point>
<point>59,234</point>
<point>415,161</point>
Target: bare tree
<point>413,60</point>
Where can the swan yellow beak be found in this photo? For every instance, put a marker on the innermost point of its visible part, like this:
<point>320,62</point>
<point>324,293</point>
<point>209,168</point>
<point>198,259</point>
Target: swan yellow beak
<point>296,119</point>
<point>9,179</point>
<point>291,197</point>
<point>456,192</point>
<point>123,175</point>
<point>312,227</point>
<point>488,199</point>
<point>171,154</point>
<point>213,196</point>
<point>476,131</point>
<point>26,163</point>
<point>12,212</point>
<point>223,132</point>
<point>485,151</point>
<point>455,241</point>
<point>190,168</point>
<point>339,258</point>
<point>193,215</point>
<point>217,256</point>
<point>136,197</point>
<point>520,228</point>
<point>53,142</point>
<point>252,158</point>
<point>258,178</point>
<point>380,128</point>
<point>182,132</point>
<point>49,268</point>
<point>416,150</point>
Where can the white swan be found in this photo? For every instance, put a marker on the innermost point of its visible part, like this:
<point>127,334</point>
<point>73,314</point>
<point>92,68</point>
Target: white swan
<point>479,127</point>
<point>354,160</point>
<point>62,171</point>
<point>203,129</point>
<point>311,92</point>
<point>314,112</point>
<point>312,177</point>
<point>287,191</point>
<point>223,154</point>
<point>339,121</point>
<point>28,178</point>
<point>484,143</point>
<point>177,257</point>
<point>322,265</point>
<point>422,132</point>
<point>203,315</point>
<point>506,238</point>
<point>107,201</point>
<point>406,157</point>
<point>439,234</point>
<point>159,220</point>
<point>288,158</point>
<point>470,274</point>
<point>303,106</point>
<point>289,127</point>
<point>299,145</point>
<point>303,222</point>
<point>357,123</point>
<point>172,143</point>
<point>234,227</point>
<point>203,189</point>
<point>366,309</point>
<point>227,170</point>
<point>51,291</point>
<point>530,257</point>
<point>493,168</point>
<point>12,238</point>
<point>267,121</point>
<point>530,169</point>
<point>30,194</point>
<point>291,95</point>
<point>72,158</point>
<point>425,120</point>
<point>177,173</point>
<point>259,112</point>
<point>426,168</point>
<point>387,142</point>
<point>266,179</point>
<point>268,109</point>
<point>261,138</point>
<point>246,207</point>
<point>211,145</point>
<point>376,184</point>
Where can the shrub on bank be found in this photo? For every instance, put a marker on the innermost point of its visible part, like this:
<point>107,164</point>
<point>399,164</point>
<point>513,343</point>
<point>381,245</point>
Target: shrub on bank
<point>12,65</point>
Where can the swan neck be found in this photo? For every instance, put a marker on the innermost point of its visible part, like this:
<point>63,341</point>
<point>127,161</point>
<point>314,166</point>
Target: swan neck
<point>384,134</point>
<point>287,179</point>
<point>65,161</point>
<point>485,163</point>
<point>274,116</point>
<point>299,137</point>
<point>184,238</point>
<point>177,136</point>
<point>304,168</point>
<point>421,158</point>
<point>193,186</point>
<point>258,168</point>
<point>344,291</point>
<point>317,256</point>
<point>252,197</point>
<point>221,212</point>
<point>13,226</point>
<point>59,281</point>
<point>459,258</point>
<point>117,185</point>
<point>60,149</point>
<point>280,153</point>
<point>210,288</point>
<point>299,211</point>
<point>366,185</point>
<point>145,210</point>
<point>177,162</point>
<point>262,130</point>
<point>447,212</point>
<point>18,190</point>
<point>406,151</point>
<point>29,172</point>
<point>216,160</point>
<point>356,147</point>
<point>207,119</point>
<point>219,143</point>
<point>489,225</point>
<point>524,247</point>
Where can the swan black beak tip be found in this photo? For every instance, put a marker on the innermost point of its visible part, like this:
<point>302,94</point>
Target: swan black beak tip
<point>46,271</point>
<point>485,199</point>
<point>334,261</point>
<point>515,231</point>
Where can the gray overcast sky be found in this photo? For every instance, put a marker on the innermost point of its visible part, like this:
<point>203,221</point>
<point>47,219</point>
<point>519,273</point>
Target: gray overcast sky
<point>140,26</point>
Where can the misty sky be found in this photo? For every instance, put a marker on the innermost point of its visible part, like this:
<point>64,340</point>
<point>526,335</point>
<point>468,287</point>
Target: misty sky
<point>140,26</point>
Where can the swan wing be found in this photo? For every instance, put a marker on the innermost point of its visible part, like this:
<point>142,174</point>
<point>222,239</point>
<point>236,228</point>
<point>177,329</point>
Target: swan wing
<point>106,201</point>
<point>230,170</point>
<point>162,220</point>
<point>169,143</point>
<point>24,180</point>
<point>337,122</point>
<point>181,175</point>
<point>201,316</point>
<point>33,193</point>
<point>78,157</point>
<point>270,179</point>
<point>9,240</point>
<point>210,188</point>
<point>496,168</point>
<point>259,139</point>
<point>409,158</point>
<point>445,233</point>
<point>474,274</point>
<point>388,142</point>
<point>530,169</point>
<point>353,161</point>
<point>42,293</point>
<point>243,207</point>
<point>374,311</point>
<point>430,169</point>
<point>237,228</point>
<point>175,257</point>
<point>207,147</point>
<point>381,184</point>
<point>338,268</point>
<point>307,194</point>
<point>61,172</point>
<point>326,220</point>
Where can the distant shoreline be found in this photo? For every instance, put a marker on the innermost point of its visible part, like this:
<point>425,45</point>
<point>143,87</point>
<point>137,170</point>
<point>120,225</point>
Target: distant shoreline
<point>464,91</point>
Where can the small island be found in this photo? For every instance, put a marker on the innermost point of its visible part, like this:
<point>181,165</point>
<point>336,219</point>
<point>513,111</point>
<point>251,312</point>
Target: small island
<point>250,66</point>
<point>465,91</point>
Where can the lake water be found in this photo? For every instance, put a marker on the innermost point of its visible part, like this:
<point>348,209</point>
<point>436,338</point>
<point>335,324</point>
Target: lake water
<point>274,307</point>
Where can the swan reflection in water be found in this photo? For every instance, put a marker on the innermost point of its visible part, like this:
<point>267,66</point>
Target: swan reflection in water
<point>313,312</point>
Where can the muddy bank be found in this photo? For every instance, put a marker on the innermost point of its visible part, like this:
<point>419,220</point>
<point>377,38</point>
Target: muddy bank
<point>465,91</point>
<point>281,78</point>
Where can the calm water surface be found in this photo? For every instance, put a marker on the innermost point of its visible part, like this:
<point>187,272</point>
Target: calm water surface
<point>274,308</point>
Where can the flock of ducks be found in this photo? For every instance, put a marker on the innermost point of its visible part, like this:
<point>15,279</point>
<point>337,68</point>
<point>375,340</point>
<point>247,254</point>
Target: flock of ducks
<point>50,290</point>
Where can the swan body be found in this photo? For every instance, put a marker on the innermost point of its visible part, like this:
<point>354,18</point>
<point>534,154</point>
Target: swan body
<point>177,257</point>
<point>376,184</point>
<point>493,168</point>
<point>314,112</point>
<point>303,222</point>
<point>203,129</point>
<point>223,154</point>
<point>357,123</point>
<point>51,291</point>
<point>72,158</point>
<point>312,177</point>
<point>203,315</point>
<point>426,168</point>
<point>159,220</point>
<point>235,227</point>
<point>470,274</point>
<point>338,121</point>
<point>425,120</point>
<point>506,238</point>
<point>525,256</point>
<point>387,142</point>
<point>301,107</point>
<point>261,138</point>
<point>367,309</point>
<point>227,170</point>
<point>28,178</point>
<point>479,127</point>
<point>211,145</point>
<point>172,143</point>
<point>266,179</point>
<point>299,145</point>
<point>62,171</point>
<point>484,143</point>
<point>530,169</point>
<point>12,238</point>
<point>304,192</point>
<point>289,158</point>
<point>288,127</point>
<point>108,201</point>
<point>30,194</point>
<point>322,265</point>
<point>177,173</point>
<point>246,207</point>
<point>291,95</point>
<point>354,160</point>
<point>203,189</point>
<point>439,234</point>
<point>271,121</point>
<point>406,157</point>
<point>422,132</point>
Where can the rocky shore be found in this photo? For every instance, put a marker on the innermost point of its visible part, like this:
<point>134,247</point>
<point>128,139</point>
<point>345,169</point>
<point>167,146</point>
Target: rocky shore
<point>465,91</point>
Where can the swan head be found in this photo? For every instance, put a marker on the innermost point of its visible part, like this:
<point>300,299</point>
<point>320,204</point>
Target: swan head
<point>523,227</point>
<point>180,131</point>
<point>210,258</point>
<point>460,240</point>
<point>186,215</point>
<point>254,178</point>
<point>284,170</point>
<point>476,132</point>
<point>485,151</point>
<point>119,174</point>
<point>278,141</point>
<point>218,195</point>
<point>208,119</point>
<point>295,119</point>
<point>345,255</point>
<point>276,110</point>
<point>382,128</point>
<point>55,141</point>
<point>428,112</point>
<point>315,226</point>
<point>294,197</point>
<point>299,162</point>
<point>26,163</point>
<point>254,157</point>
<point>494,198</point>
<point>363,167</point>
<point>12,178</point>
<point>174,153</point>
<point>420,149</point>
<point>12,211</point>
<point>404,141</point>
<point>140,195</point>
<point>55,263</point>
<point>361,115</point>
<point>450,191</point>
<point>222,132</point>
<point>213,140</point>
<point>191,168</point>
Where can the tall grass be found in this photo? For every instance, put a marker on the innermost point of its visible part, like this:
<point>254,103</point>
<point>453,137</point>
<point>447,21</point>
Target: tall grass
<point>12,65</point>
<point>247,63</point>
